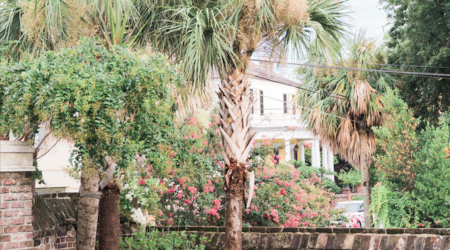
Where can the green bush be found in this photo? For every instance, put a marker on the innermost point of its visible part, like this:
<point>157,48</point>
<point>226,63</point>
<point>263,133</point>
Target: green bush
<point>306,171</point>
<point>416,178</point>
<point>155,240</point>
<point>351,178</point>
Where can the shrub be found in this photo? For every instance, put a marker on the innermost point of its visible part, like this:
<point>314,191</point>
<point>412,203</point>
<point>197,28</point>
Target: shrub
<point>416,178</point>
<point>155,240</point>
<point>192,192</point>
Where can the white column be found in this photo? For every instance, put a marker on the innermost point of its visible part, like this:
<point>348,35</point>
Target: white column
<point>331,162</point>
<point>313,154</point>
<point>324,156</point>
<point>316,153</point>
<point>302,151</point>
<point>287,150</point>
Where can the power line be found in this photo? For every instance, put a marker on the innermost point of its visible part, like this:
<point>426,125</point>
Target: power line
<point>369,70</point>
<point>380,64</point>
<point>315,110</point>
<point>400,65</point>
<point>342,97</point>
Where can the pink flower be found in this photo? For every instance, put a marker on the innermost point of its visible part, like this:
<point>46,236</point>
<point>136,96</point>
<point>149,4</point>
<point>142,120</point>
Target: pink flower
<point>187,202</point>
<point>278,157</point>
<point>193,190</point>
<point>179,196</point>
<point>142,181</point>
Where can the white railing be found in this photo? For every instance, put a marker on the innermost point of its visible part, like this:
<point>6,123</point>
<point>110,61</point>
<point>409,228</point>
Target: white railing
<point>278,120</point>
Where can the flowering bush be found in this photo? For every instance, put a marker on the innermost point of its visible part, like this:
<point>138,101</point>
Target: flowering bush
<point>192,191</point>
<point>415,176</point>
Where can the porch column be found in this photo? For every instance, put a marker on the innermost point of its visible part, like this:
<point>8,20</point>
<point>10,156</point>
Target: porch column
<point>331,162</point>
<point>324,156</point>
<point>302,151</point>
<point>287,150</point>
<point>316,153</point>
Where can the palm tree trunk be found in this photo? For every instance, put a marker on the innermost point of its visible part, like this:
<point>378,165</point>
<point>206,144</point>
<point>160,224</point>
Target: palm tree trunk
<point>109,218</point>
<point>87,210</point>
<point>233,223</point>
<point>235,108</point>
<point>365,178</point>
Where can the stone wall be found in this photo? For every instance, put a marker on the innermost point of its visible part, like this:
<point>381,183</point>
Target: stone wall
<point>16,230</point>
<point>54,225</point>
<point>327,238</point>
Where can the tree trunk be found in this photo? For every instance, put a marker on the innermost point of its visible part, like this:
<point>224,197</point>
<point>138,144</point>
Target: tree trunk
<point>235,108</point>
<point>233,223</point>
<point>365,178</point>
<point>109,218</point>
<point>87,211</point>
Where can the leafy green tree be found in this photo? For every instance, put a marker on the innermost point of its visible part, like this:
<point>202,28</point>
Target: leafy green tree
<point>415,176</point>
<point>353,99</point>
<point>419,37</point>
<point>111,104</point>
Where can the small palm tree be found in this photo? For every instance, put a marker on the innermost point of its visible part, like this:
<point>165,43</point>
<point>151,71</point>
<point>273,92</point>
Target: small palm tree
<point>201,34</point>
<point>353,95</point>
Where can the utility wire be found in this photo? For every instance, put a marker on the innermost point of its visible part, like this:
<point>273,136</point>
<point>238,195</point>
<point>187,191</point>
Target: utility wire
<point>298,87</point>
<point>380,64</point>
<point>370,70</point>
<point>314,110</point>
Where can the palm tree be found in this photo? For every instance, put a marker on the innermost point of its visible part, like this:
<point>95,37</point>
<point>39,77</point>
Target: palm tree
<point>353,99</point>
<point>198,35</point>
<point>201,34</point>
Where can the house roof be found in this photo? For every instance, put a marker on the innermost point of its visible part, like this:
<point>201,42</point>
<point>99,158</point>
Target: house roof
<point>256,71</point>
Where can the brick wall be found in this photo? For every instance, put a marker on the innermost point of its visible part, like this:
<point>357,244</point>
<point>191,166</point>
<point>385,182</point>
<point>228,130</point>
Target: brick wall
<point>15,211</point>
<point>327,238</point>
<point>55,221</point>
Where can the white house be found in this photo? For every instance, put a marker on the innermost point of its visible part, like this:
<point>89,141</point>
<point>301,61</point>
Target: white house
<point>274,116</point>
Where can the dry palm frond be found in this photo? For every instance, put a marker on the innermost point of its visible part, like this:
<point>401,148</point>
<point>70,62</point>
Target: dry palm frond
<point>55,24</point>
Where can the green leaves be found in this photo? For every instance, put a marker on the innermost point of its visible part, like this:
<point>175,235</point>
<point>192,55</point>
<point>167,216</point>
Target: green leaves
<point>414,188</point>
<point>417,39</point>
<point>106,101</point>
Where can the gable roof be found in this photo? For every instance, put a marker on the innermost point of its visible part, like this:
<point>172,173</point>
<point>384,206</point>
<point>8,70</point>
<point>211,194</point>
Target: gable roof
<point>256,71</point>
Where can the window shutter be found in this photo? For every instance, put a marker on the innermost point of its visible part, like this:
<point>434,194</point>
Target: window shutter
<point>261,102</point>
<point>285,103</point>
<point>293,104</point>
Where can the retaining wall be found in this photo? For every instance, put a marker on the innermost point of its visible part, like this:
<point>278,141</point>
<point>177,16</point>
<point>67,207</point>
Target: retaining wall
<point>327,238</point>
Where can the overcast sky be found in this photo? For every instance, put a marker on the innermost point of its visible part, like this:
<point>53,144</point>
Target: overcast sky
<point>370,15</point>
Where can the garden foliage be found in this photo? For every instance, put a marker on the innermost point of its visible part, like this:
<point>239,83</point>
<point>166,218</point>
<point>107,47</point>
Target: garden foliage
<point>192,192</point>
<point>155,240</point>
<point>106,101</point>
<point>415,176</point>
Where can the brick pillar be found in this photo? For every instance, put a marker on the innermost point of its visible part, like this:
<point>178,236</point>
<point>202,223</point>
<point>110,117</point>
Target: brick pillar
<point>16,166</point>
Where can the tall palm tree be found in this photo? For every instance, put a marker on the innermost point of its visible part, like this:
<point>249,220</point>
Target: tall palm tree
<point>354,95</point>
<point>198,35</point>
<point>202,34</point>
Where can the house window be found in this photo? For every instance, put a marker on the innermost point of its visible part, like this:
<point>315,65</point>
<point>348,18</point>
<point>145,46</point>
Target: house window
<point>296,148</point>
<point>285,106</point>
<point>261,102</point>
